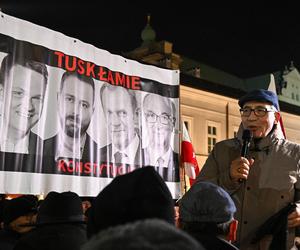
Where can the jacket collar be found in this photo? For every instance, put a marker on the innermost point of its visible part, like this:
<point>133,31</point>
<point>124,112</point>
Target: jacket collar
<point>264,143</point>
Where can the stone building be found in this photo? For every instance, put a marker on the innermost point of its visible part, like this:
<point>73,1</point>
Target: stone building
<point>208,96</point>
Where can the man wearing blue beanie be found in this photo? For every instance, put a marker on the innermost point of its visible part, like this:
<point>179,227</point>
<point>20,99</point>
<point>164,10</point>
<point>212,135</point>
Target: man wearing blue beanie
<point>260,170</point>
<point>206,212</point>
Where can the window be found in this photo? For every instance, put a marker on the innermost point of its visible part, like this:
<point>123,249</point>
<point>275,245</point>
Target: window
<point>186,123</point>
<point>235,131</point>
<point>234,134</point>
<point>213,134</point>
<point>211,137</point>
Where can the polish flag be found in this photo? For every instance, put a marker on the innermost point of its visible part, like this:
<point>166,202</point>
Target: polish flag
<point>272,87</point>
<point>188,157</point>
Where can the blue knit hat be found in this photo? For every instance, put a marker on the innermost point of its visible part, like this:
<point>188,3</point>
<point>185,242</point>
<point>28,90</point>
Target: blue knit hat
<point>206,202</point>
<point>260,95</point>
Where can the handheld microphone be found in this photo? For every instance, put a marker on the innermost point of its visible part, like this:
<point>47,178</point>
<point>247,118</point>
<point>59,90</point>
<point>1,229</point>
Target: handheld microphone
<point>247,137</point>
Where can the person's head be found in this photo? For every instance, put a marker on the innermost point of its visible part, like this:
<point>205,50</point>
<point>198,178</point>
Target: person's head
<point>207,208</point>
<point>176,215</point>
<point>75,103</point>
<point>140,194</point>
<point>259,112</point>
<point>119,105</point>
<point>86,205</point>
<point>22,89</point>
<point>60,208</point>
<point>159,113</point>
<point>149,234</point>
<point>19,214</point>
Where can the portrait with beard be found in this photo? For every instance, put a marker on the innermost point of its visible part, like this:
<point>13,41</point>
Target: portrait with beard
<point>75,101</point>
<point>74,127</point>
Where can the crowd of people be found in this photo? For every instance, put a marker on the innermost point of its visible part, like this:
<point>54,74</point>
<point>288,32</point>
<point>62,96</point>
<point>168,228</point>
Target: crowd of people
<point>134,211</point>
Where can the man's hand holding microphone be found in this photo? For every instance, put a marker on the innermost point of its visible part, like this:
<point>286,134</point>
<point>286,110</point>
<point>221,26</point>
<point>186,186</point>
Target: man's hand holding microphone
<point>240,167</point>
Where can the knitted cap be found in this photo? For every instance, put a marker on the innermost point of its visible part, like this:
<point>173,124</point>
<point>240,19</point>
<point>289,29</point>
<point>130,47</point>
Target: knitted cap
<point>140,194</point>
<point>260,95</point>
<point>60,208</point>
<point>206,202</point>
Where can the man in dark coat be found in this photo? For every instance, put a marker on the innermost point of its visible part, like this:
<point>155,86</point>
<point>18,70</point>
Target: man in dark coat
<point>277,226</point>
<point>160,118</point>
<point>120,109</point>
<point>59,226</point>
<point>30,162</point>
<point>72,144</point>
<point>22,89</point>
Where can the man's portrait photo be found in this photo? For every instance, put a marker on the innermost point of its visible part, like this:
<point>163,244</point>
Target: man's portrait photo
<point>159,117</point>
<point>75,106</point>
<point>120,109</point>
<point>22,90</point>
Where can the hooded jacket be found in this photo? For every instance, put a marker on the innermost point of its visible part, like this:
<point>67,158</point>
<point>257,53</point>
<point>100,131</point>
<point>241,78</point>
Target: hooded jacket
<point>273,182</point>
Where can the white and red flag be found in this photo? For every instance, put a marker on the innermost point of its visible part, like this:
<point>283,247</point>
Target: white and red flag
<point>272,87</point>
<point>188,157</point>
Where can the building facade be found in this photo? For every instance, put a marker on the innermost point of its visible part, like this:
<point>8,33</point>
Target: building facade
<point>209,96</point>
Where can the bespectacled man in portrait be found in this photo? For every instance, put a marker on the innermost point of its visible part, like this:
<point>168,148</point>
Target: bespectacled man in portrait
<point>160,116</point>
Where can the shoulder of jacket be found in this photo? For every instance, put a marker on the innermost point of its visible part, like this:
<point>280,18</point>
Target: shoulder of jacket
<point>292,147</point>
<point>290,144</point>
<point>227,143</point>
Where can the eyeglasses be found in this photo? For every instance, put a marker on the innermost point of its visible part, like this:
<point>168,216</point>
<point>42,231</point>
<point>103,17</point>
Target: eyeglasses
<point>259,112</point>
<point>163,119</point>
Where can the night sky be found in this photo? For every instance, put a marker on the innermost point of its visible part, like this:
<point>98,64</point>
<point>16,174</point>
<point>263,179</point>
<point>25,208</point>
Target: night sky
<point>245,41</point>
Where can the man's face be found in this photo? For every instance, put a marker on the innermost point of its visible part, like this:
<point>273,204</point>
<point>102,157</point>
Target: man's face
<point>120,116</point>
<point>22,98</point>
<point>18,225</point>
<point>75,106</point>
<point>159,121</point>
<point>260,126</point>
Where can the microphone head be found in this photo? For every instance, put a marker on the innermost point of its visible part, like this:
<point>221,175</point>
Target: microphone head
<point>247,135</point>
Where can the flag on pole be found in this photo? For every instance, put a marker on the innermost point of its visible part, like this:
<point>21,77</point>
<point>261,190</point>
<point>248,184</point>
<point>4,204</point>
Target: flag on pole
<point>272,87</point>
<point>188,157</point>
